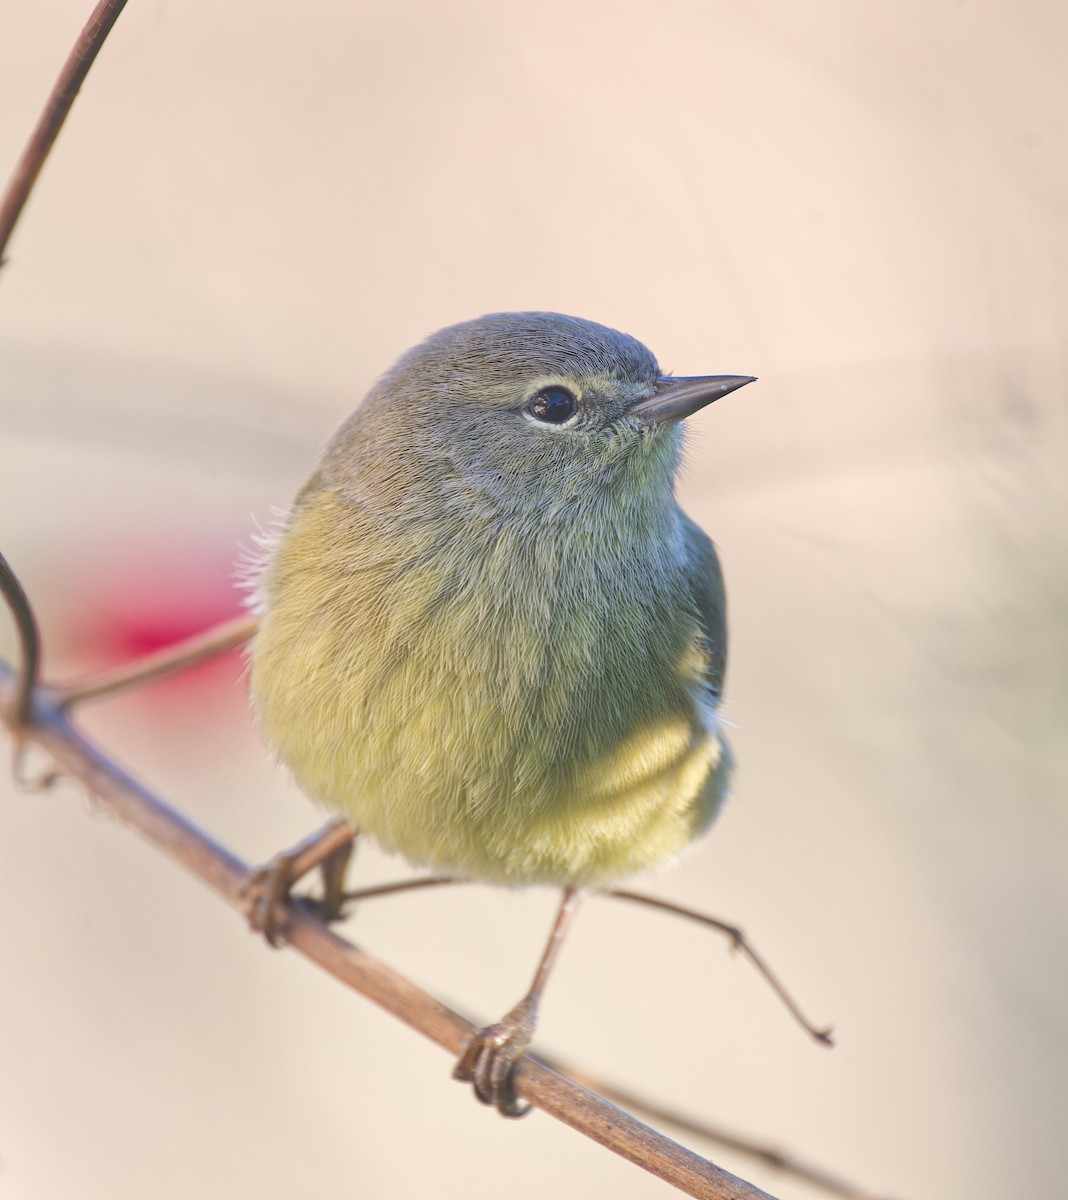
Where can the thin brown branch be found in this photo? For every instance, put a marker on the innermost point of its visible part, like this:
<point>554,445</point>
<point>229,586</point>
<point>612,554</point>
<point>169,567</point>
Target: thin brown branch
<point>55,112</point>
<point>403,885</point>
<point>318,847</point>
<point>738,942</point>
<point>227,635</point>
<point>29,642</point>
<point>737,938</point>
<point>770,1156</point>
<point>216,866</point>
<point>779,1160</point>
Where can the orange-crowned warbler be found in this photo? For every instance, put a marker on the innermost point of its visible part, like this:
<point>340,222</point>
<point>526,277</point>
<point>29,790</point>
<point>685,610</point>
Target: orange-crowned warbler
<point>490,637</point>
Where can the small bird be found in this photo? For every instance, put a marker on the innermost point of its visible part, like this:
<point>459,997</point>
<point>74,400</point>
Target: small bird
<point>490,638</point>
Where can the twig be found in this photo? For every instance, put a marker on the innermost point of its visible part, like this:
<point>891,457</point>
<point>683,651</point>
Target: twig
<point>29,642</point>
<point>55,112</point>
<point>777,1159</point>
<point>217,640</point>
<point>737,938</point>
<point>738,942</point>
<point>404,885</point>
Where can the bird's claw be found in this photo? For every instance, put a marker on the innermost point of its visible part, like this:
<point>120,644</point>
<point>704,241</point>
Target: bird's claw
<point>264,895</point>
<point>488,1062</point>
<point>267,889</point>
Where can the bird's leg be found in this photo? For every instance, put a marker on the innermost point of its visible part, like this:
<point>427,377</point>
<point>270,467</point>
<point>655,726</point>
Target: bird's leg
<point>267,890</point>
<point>489,1060</point>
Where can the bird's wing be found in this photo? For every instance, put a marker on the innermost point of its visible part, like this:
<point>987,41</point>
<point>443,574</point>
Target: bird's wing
<point>709,600</point>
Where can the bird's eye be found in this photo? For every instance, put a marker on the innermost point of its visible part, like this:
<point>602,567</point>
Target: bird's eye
<point>554,405</point>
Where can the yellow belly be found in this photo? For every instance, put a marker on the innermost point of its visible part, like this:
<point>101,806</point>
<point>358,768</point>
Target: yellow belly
<point>514,734</point>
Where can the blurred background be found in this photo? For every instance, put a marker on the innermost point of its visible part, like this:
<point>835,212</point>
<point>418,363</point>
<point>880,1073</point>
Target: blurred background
<point>252,210</point>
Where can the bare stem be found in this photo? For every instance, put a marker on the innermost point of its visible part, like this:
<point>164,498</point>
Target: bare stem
<point>404,885</point>
<point>737,938</point>
<point>770,1156</point>
<point>218,640</point>
<point>738,942</point>
<point>55,112</point>
<point>29,642</point>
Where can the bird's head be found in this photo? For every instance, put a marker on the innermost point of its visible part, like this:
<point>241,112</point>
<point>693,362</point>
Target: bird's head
<point>529,412</point>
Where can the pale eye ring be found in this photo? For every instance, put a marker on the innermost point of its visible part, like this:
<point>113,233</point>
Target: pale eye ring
<point>552,405</point>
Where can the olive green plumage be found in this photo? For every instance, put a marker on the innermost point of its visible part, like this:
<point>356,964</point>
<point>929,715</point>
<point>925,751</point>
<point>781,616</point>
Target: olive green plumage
<point>490,637</point>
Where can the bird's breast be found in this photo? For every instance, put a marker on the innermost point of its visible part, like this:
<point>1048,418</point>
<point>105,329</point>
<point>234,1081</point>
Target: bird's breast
<point>513,703</point>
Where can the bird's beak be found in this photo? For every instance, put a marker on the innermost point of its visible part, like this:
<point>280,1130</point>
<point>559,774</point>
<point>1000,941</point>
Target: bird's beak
<point>681,396</point>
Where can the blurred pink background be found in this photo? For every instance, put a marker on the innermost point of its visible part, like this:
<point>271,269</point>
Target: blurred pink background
<point>252,210</point>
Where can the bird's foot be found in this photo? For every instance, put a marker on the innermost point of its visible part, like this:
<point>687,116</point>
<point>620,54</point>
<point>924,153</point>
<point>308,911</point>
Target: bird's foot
<point>489,1060</point>
<point>266,894</point>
